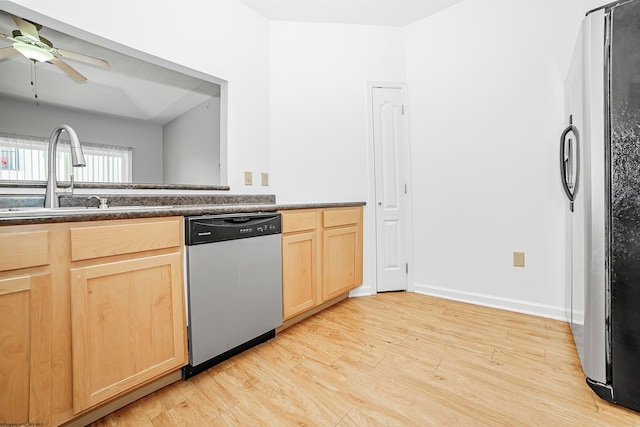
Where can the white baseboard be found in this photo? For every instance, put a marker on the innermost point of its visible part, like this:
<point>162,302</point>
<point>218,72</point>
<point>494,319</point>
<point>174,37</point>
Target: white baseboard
<point>541,310</point>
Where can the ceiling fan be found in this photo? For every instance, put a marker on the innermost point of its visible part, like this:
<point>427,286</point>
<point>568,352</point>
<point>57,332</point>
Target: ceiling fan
<point>31,45</point>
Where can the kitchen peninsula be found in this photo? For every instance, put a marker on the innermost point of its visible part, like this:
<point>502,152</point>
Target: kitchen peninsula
<point>93,299</point>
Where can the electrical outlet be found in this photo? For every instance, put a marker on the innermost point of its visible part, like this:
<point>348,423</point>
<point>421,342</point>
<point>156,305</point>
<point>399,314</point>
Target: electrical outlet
<point>248,178</point>
<point>265,179</point>
<point>518,259</point>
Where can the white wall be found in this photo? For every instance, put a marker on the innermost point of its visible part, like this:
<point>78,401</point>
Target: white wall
<point>486,111</point>
<point>29,119</point>
<point>191,146</point>
<point>319,134</point>
<point>222,38</point>
<point>318,117</point>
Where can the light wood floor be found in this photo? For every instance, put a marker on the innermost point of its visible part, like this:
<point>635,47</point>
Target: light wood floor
<point>392,359</point>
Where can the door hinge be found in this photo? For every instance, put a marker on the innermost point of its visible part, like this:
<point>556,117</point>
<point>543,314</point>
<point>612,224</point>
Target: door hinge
<point>403,109</point>
<point>406,265</point>
<point>405,188</point>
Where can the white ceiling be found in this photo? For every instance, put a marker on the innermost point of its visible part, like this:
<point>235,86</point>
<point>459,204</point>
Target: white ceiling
<point>366,12</point>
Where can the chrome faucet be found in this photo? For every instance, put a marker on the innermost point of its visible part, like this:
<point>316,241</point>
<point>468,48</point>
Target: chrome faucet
<point>77,159</point>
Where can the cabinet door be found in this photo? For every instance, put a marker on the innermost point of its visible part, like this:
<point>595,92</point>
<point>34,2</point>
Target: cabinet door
<point>24,348</point>
<point>342,260</point>
<point>300,269</point>
<point>128,325</point>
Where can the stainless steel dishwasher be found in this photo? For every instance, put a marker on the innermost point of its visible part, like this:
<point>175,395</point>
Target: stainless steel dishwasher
<point>234,285</point>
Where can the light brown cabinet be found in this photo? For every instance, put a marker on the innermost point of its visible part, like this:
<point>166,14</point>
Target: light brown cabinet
<point>25,283</point>
<point>127,327</point>
<point>321,256</point>
<point>127,306</point>
<point>341,251</point>
<point>88,312</point>
<point>300,262</point>
<point>23,340</point>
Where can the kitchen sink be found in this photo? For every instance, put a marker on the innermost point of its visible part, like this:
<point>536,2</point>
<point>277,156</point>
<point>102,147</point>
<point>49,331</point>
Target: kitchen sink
<point>35,209</point>
<point>74,209</point>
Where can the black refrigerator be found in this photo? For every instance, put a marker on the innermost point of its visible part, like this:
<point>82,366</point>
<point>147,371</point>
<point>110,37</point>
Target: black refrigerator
<point>600,176</point>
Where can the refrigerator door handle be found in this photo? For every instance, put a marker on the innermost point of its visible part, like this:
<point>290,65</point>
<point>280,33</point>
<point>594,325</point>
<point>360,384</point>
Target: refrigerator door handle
<point>569,161</point>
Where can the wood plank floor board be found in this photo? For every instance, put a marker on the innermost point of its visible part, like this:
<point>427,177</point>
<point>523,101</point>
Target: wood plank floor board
<point>445,407</point>
<point>162,400</point>
<point>465,390</point>
<point>355,344</point>
<point>130,415</point>
<point>279,355</point>
<point>536,370</point>
<point>183,414</point>
<point>309,345</point>
<point>387,321</point>
<point>520,384</point>
<point>342,319</point>
<point>284,384</point>
<point>537,340</point>
<point>453,345</point>
<point>558,326</point>
<point>394,359</point>
<point>480,333</point>
<point>379,399</point>
<point>405,358</point>
<point>233,383</point>
<point>369,347</point>
<point>313,372</point>
<point>206,399</point>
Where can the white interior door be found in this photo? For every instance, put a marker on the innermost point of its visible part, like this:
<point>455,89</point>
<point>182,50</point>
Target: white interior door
<point>391,188</point>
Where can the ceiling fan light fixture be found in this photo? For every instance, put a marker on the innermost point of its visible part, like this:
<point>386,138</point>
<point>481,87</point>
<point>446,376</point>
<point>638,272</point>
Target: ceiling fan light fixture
<point>34,53</point>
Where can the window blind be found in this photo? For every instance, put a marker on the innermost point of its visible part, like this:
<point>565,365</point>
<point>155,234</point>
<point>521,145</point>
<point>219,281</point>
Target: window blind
<point>24,158</point>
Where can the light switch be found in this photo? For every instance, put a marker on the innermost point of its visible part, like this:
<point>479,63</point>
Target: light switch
<point>518,259</point>
<point>248,178</point>
<point>265,179</point>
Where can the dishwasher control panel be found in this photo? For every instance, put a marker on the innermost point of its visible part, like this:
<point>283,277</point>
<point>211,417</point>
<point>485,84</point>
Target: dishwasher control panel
<point>218,228</point>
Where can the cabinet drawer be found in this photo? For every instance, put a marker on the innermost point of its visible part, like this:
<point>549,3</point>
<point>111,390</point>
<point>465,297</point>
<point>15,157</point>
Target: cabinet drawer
<point>22,250</point>
<point>334,218</point>
<point>89,242</point>
<point>299,221</point>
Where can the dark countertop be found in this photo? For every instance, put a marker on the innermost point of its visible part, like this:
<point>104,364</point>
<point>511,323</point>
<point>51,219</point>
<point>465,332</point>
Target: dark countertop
<point>77,200</point>
<point>74,214</point>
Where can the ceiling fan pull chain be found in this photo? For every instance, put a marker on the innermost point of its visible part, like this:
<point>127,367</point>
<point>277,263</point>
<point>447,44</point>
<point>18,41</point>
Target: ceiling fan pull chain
<point>34,82</point>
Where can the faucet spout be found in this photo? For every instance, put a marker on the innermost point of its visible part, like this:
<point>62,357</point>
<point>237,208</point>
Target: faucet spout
<point>77,159</point>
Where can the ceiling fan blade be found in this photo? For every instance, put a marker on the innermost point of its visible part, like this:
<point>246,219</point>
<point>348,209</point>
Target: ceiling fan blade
<point>83,58</point>
<point>71,72</point>
<point>26,28</point>
<point>6,52</point>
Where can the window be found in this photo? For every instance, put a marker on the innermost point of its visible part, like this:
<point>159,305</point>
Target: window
<point>8,160</point>
<point>24,158</point>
